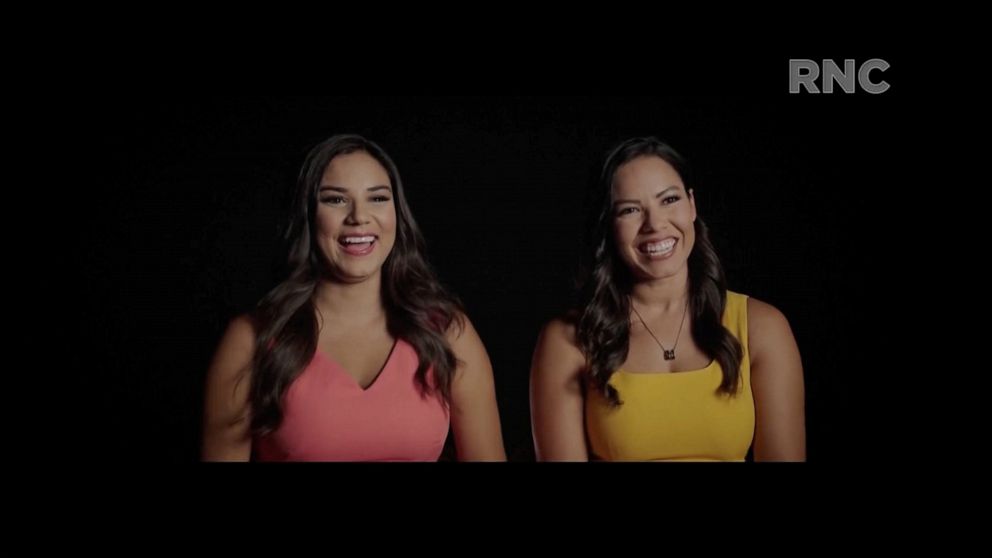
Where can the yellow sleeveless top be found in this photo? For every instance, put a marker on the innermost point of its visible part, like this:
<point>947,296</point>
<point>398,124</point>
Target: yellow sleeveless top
<point>676,416</point>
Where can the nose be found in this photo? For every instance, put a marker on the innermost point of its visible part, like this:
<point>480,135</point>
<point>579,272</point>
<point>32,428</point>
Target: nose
<point>357,215</point>
<point>653,221</point>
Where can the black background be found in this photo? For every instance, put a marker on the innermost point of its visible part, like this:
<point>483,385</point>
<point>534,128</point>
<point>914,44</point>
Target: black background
<point>181,229</point>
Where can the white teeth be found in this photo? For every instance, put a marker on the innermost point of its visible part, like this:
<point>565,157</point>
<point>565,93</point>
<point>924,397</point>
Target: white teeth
<point>660,247</point>
<point>358,239</point>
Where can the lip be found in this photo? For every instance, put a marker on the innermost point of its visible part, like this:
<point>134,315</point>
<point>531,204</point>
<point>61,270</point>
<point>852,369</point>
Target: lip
<point>662,256</point>
<point>353,249</point>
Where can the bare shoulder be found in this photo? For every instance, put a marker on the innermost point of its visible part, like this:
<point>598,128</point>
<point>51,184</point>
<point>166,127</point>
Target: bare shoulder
<point>557,350</point>
<point>762,312</point>
<point>463,337</point>
<point>241,331</point>
<point>460,330</point>
<point>240,334</point>
<point>770,340</point>
<point>767,326</point>
<point>560,334</point>
<point>465,343</point>
<point>236,348</point>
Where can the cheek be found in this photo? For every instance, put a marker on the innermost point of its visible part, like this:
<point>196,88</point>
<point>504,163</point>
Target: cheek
<point>325,222</point>
<point>326,232</point>
<point>623,235</point>
<point>690,238</point>
<point>388,222</point>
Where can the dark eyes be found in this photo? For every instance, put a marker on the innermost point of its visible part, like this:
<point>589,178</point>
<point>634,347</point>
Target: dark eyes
<point>631,209</point>
<point>340,200</point>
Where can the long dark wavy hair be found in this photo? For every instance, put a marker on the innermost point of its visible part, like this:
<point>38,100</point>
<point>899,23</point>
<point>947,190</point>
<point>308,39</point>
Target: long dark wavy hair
<point>418,309</point>
<point>602,318</point>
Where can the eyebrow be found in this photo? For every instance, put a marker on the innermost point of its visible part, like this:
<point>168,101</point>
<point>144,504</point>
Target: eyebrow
<point>660,194</point>
<point>345,191</point>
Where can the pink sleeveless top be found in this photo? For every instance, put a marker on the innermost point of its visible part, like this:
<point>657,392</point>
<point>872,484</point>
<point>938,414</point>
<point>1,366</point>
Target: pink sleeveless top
<point>327,416</point>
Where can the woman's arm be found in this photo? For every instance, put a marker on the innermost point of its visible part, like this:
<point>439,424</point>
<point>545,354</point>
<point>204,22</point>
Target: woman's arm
<point>777,385</point>
<point>474,412</point>
<point>226,432</point>
<point>557,409</point>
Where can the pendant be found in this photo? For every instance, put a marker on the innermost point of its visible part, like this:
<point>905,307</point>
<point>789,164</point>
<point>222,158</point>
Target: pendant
<point>669,355</point>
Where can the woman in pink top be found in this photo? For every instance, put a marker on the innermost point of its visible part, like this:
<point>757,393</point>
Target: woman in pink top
<point>360,354</point>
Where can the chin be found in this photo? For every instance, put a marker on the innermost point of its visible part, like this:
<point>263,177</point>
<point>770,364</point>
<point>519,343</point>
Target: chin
<point>350,274</point>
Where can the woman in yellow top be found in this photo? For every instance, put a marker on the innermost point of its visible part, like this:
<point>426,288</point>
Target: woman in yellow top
<point>660,361</point>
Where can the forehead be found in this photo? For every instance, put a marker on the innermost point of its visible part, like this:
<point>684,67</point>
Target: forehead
<point>647,174</point>
<point>357,169</point>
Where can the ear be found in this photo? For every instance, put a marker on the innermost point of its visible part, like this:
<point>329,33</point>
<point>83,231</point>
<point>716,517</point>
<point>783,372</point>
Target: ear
<point>692,204</point>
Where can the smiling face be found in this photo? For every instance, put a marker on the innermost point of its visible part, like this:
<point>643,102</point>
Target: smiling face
<point>653,216</point>
<point>356,217</point>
